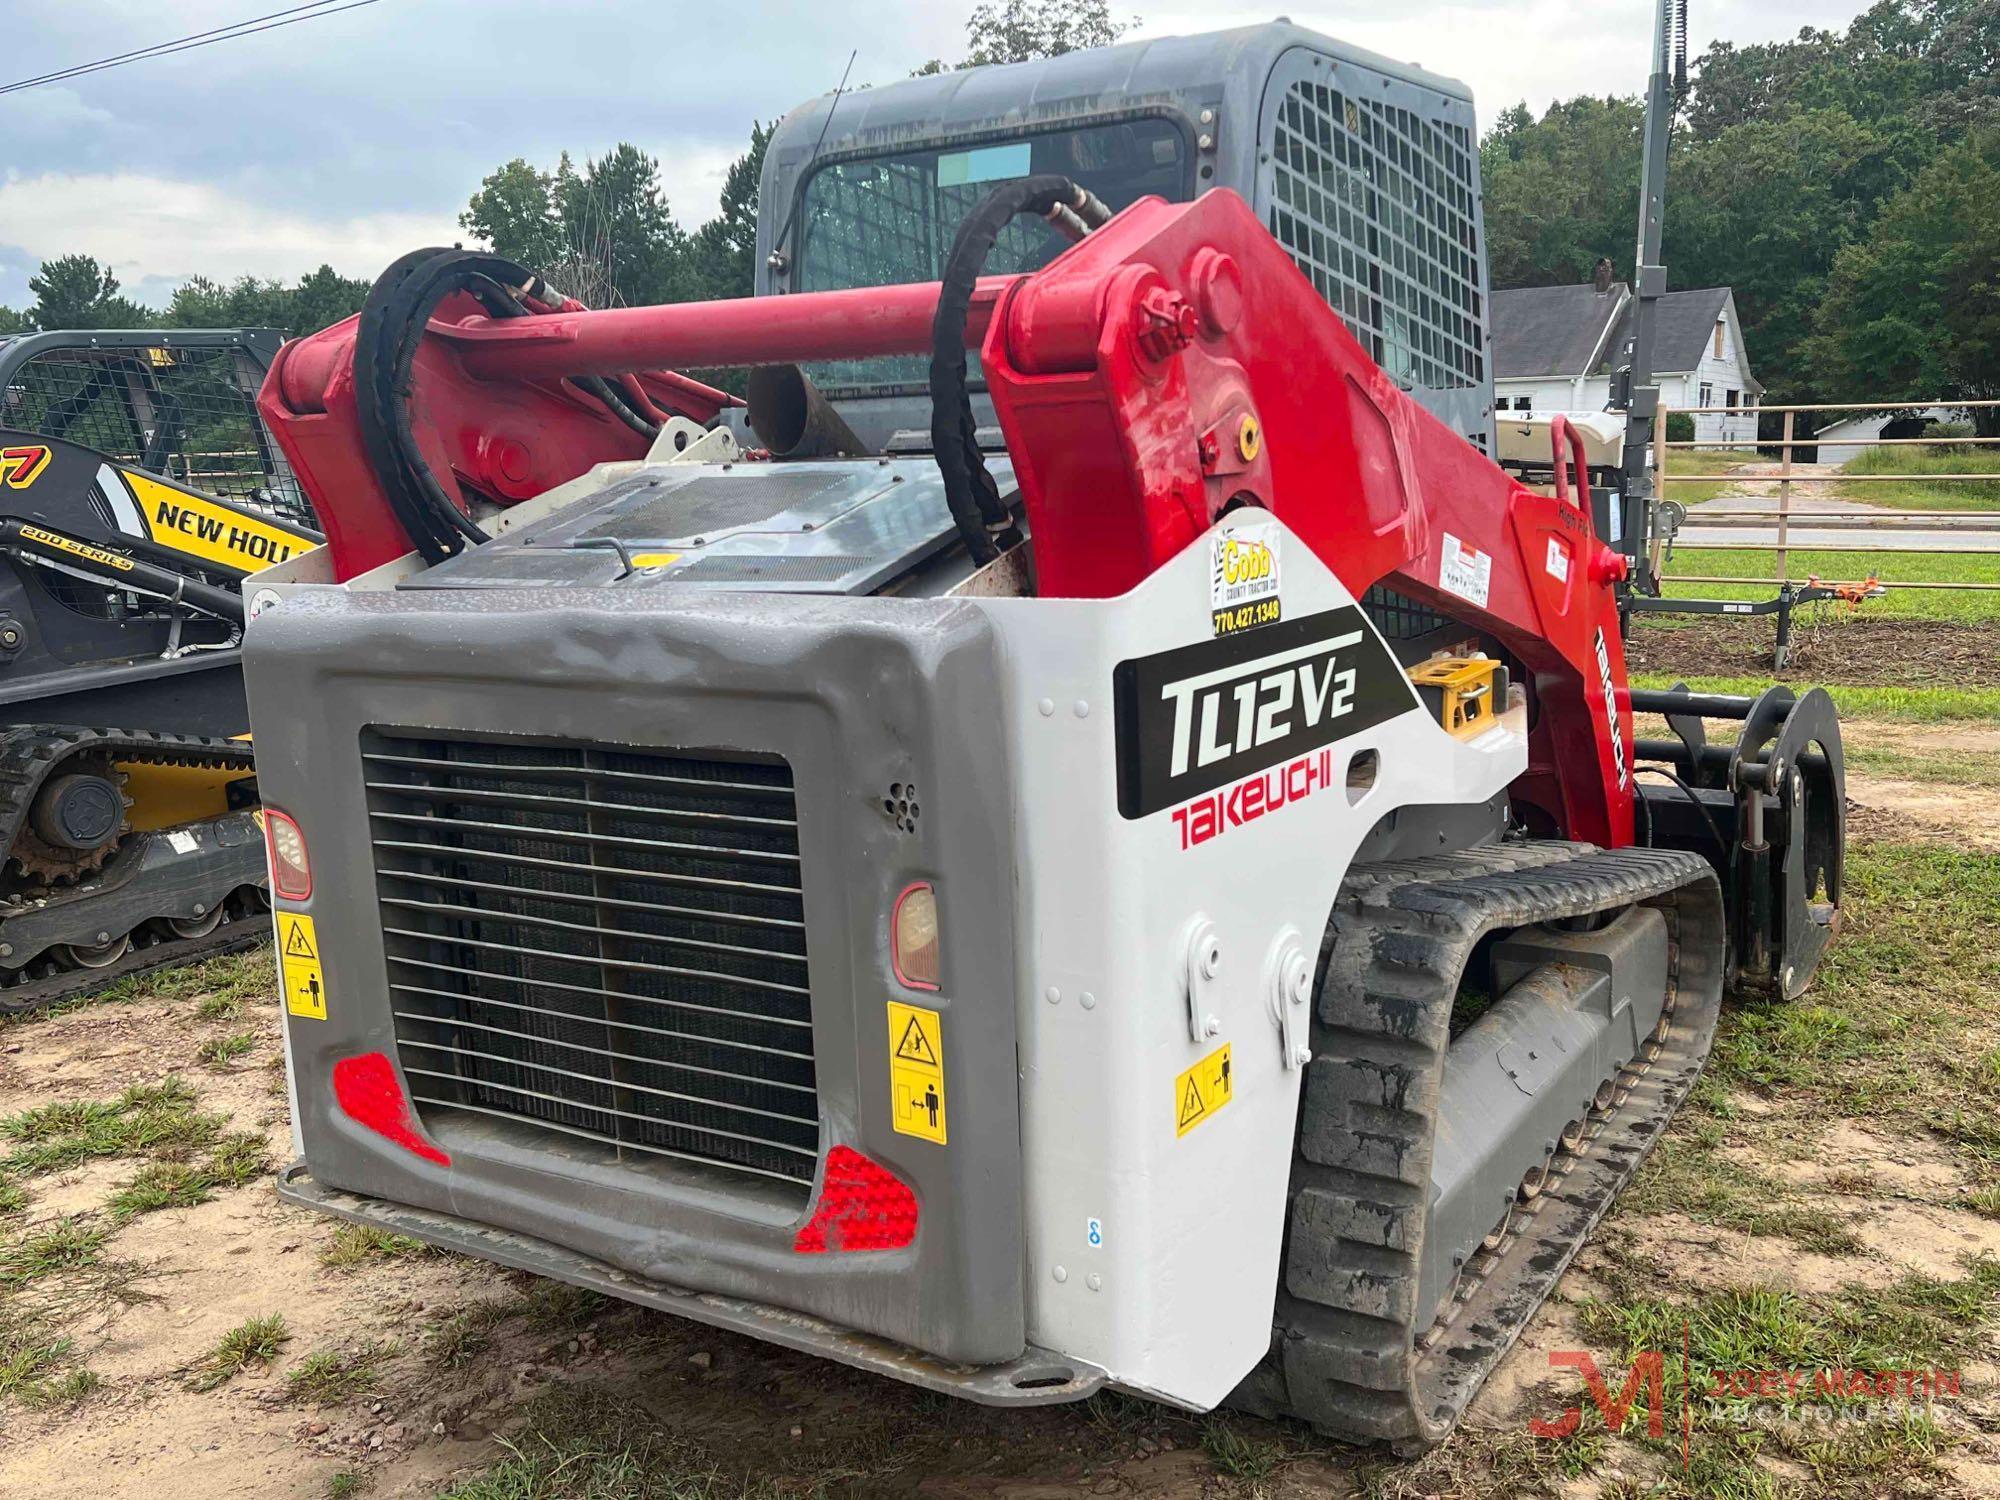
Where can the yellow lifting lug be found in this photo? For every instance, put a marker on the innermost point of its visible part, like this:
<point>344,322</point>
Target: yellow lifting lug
<point>1467,693</point>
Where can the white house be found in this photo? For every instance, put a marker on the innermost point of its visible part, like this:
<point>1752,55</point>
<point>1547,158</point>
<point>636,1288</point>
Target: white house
<point>1554,348</point>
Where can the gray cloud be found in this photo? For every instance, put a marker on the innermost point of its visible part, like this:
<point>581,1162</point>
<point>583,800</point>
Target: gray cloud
<point>323,141</point>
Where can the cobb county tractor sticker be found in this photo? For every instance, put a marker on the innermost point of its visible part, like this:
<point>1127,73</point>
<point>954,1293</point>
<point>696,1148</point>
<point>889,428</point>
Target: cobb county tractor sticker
<point>1243,577</point>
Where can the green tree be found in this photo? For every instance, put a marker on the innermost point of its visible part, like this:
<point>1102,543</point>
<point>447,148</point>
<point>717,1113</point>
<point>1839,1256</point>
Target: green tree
<point>323,297</point>
<point>617,225</point>
<point>1561,191</point>
<point>514,212</point>
<point>1766,206</point>
<point>1913,310</point>
<point>724,251</point>
<point>74,291</point>
<point>12,322</point>
<point>1007,31</point>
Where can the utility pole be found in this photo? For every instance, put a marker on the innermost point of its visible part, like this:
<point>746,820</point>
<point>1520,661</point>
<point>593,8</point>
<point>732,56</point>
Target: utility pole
<point>1638,387</point>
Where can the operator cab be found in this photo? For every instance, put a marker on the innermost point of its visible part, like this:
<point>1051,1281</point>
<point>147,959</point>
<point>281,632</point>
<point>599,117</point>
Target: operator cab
<point>1365,169</point>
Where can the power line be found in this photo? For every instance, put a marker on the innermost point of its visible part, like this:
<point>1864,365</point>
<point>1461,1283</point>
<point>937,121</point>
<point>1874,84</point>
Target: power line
<point>271,22</point>
<point>139,52</point>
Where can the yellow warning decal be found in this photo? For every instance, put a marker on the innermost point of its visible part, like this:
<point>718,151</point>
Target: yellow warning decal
<point>1202,1090</point>
<point>76,549</point>
<point>916,1071</point>
<point>654,559</point>
<point>213,533</point>
<point>298,963</point>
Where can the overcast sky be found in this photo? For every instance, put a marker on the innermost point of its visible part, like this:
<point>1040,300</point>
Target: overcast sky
<point>355,137</point>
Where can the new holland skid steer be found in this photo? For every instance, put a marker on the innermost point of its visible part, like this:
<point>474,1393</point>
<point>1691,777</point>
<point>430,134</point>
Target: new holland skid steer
<point>1112,851</point>
<point>137,489</point>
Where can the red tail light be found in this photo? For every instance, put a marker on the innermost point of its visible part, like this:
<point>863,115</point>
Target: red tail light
<point>862,1206</point>
<point>285,843</point>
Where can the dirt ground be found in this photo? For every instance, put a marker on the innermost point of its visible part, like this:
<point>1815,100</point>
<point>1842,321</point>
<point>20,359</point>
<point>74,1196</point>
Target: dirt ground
<point>1834,648</point>
<point>1841,1196</point>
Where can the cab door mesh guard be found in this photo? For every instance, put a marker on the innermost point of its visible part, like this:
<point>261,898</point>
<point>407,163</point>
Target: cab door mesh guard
<point>601,942</point>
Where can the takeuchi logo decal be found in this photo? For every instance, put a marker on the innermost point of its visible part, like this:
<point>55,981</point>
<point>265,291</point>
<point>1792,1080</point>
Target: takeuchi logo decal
<point>1247,801</point>
<point>1207,716</point>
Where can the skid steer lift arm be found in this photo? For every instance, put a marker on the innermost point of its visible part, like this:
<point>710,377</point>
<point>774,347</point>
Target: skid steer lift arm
<point>1172,365</point>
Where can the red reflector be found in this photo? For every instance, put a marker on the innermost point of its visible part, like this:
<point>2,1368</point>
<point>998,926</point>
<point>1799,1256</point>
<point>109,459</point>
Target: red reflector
<point>862,1206</point>
<point>369,1095</point>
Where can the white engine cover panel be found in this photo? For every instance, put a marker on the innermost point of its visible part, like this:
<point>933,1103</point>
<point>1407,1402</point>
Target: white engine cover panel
<point>1155,1220</point>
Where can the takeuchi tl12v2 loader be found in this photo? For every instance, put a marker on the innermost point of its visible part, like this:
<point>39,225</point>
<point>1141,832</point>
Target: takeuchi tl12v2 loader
<point>1112,853</point>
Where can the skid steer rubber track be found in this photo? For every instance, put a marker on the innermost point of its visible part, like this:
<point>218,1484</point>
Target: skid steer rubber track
<point>29,756</point>
<point>1352,1353</point>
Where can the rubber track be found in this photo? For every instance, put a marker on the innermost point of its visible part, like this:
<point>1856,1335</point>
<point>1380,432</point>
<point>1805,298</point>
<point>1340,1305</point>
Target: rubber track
<point>1349,1353</point>
<point>29,755</point>
<point>244,931</point>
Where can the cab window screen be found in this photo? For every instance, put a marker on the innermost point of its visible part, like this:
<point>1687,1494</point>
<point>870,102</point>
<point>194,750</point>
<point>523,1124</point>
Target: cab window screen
<point>886,220</point>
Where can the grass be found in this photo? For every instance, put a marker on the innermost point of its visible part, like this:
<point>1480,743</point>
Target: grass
<point>30,1354</point>
<point>1896,705</point>
<point>66,1244</point>
<point>328,1377</point>
<point>13,1197</point>
<point>1243,1454</point>
<point>255,1342</point>
<point>556,1307</point>
<point>239,1157</point>
<point>1916,1323</point>
<point>229,980</point>
<point>1921,492</point>
<point>1906,1008</point>
<point>221,1051</point>
<point>1962,768</point>
<point>587,1445</point>
<point>144,1120</point>
<point>347,1484</point>
<point>464,1334</point>
<point>1964,606</point>
<point>357,1245</point>
<point>218,1008</point>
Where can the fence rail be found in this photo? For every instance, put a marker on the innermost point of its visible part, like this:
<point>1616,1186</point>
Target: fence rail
<point>1788,476</point>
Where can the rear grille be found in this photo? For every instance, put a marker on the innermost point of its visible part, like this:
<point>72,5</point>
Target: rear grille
<point>603,942</point>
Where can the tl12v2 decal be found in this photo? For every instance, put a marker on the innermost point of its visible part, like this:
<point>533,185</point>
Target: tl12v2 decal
<point>1193,718</point>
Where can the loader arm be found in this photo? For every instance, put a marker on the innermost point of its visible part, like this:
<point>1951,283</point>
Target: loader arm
<point>1124,373</point>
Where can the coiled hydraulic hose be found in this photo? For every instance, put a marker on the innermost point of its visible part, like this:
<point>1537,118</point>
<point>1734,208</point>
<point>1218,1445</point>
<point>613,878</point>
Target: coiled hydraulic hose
<point>983,519</point>
<point>392,326</point>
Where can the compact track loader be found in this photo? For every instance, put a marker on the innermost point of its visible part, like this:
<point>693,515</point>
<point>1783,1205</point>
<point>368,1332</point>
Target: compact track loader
<point>137,489</point>
<point>1108,845</point>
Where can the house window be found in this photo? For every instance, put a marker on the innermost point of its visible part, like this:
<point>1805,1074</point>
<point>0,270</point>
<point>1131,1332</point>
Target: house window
<point>1729,398</point>
<point>1718,338</point>
<point>1523,403</point>
<point>1707,395</point>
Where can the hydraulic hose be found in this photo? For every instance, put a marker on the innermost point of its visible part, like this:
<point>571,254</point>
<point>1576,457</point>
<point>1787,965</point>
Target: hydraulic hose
<point>983,519</point>
<point>392,325</point>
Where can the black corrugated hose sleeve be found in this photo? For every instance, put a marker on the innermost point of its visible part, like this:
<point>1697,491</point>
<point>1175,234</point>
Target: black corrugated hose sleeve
<point>983,521</point>
<point>392,326</point>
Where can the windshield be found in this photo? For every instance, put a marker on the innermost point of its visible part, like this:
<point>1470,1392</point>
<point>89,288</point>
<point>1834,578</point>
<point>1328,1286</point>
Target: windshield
<point>890,219</point>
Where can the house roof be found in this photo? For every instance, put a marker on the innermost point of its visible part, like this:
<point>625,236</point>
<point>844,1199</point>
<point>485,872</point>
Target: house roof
<point>1554,330</point>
